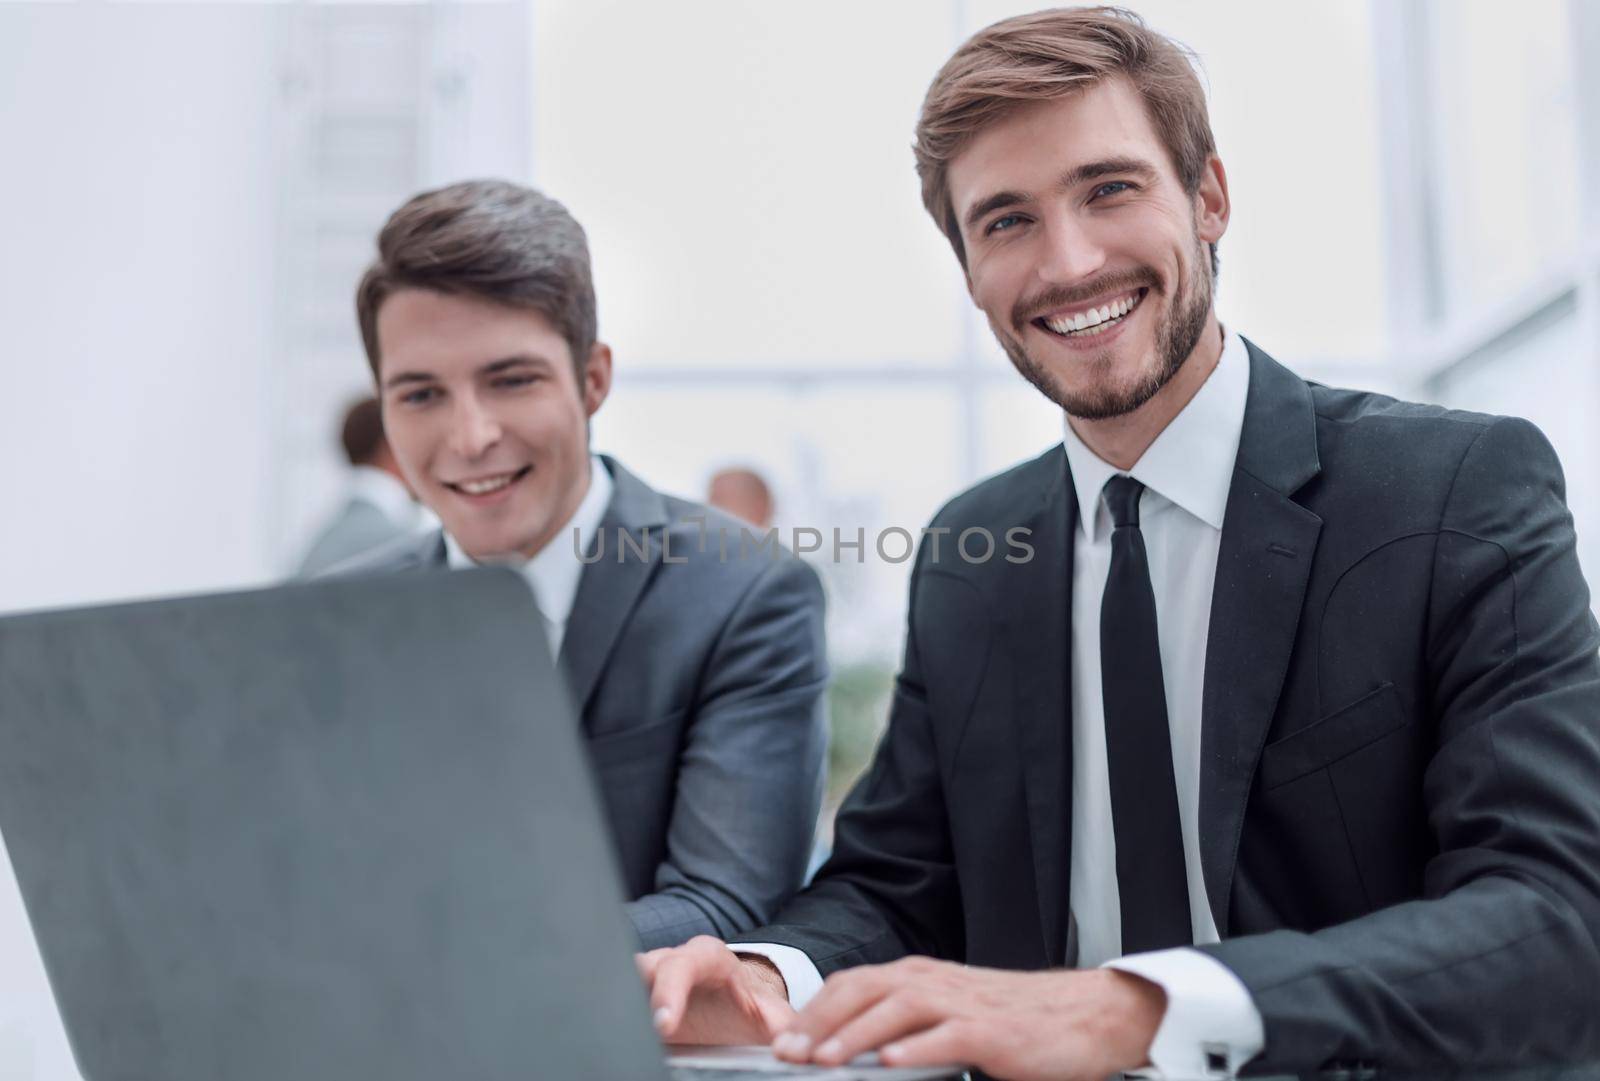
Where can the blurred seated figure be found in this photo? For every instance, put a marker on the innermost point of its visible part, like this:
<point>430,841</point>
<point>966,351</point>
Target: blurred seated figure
<point>743,493</point>
<point>379,507</point>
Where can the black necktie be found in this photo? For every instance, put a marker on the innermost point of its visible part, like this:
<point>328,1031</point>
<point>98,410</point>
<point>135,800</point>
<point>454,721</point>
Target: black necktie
<point>1144,797</point>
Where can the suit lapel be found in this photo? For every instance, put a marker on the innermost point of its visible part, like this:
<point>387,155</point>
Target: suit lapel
<point>1037,613</point>
<point>1263,566</point>
<point>608,590</point>
<point>425,551</point>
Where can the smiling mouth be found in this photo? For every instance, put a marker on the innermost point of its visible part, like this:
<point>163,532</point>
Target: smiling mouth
<point>1088,322</point>
<point>488,485</point>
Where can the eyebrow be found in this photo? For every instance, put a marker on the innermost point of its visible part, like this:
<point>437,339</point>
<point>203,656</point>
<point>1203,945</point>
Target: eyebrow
<point>518,361</point>
<point>494,367</point>
<point>1070,179</point>
<point>400,378</point>
<point>1096,169</point>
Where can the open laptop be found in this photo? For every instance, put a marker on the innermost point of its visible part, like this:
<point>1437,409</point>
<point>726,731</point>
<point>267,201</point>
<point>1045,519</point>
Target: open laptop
<point>336,830</point>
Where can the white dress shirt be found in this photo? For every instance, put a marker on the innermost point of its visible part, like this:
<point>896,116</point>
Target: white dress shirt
<point>1187,472</point>
<point>554,571</point>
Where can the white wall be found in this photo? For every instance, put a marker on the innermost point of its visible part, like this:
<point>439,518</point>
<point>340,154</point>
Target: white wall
<point>136,289</point>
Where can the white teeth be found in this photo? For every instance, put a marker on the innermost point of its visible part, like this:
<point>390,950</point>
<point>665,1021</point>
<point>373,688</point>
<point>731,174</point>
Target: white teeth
<point>1093,320</point>
<point>484,487</point>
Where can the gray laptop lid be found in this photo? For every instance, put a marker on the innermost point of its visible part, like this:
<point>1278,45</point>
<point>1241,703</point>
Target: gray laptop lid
<point>342,830</point>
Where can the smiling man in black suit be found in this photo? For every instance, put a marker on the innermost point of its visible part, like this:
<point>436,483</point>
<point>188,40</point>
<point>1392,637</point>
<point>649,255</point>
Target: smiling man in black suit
<point>1291,727</point>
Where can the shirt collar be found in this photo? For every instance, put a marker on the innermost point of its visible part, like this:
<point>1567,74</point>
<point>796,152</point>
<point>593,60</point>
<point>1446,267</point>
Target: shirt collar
<point>1191,461</point>
<point>554,570</point>
<point>379,488</point>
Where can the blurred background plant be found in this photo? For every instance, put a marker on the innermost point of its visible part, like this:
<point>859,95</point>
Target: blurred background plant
<point>858,700</point>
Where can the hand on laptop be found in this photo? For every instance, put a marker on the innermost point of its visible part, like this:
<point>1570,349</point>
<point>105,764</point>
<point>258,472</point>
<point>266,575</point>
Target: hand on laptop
<point>914,1012</point>
<point>701,993</point>
<point>1024,1026</point>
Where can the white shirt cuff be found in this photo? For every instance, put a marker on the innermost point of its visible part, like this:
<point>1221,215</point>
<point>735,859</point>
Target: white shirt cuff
<point>1211,1027</point>
<point>799,974</point>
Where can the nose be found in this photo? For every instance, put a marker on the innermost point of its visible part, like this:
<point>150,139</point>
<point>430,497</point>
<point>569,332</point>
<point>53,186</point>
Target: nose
<point>1072,252</point>
<point>473,429</point>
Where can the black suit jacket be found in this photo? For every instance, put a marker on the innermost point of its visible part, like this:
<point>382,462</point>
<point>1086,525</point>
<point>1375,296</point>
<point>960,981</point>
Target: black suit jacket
<point>1400,774</point>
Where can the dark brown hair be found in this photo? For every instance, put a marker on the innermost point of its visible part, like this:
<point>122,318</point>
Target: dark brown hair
<point>1047,55</point>
<point>490,239</point>
<point>362,432</point>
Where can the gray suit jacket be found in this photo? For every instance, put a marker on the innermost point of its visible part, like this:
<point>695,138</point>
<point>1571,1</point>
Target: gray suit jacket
<point>357,528</point>
<point>699,680</point>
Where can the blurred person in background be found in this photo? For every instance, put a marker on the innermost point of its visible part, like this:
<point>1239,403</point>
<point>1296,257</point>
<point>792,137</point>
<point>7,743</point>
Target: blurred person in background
<point>743,493</point>
<point>379,507</point>
<point>699,679</point>
<point>1283,749</point>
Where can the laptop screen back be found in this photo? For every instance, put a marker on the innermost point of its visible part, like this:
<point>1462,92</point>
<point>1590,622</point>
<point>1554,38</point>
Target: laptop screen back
<point>338,830</point>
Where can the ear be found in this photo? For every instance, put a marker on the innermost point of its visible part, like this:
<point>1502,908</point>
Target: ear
<point>596,378</point>
<point>1212,206</point>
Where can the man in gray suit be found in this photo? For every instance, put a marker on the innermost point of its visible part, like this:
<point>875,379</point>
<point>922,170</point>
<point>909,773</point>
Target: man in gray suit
<point>378,509</point>
<point>698,671</point>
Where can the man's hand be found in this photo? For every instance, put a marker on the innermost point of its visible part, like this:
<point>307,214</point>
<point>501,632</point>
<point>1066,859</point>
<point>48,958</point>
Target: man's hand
<point>701,993</point>
<point>1023,1026</point>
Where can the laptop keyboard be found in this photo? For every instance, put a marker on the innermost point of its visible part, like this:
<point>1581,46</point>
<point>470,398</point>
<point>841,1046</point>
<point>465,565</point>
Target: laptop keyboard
<point>703,1073</point>
<point>780,1070</point>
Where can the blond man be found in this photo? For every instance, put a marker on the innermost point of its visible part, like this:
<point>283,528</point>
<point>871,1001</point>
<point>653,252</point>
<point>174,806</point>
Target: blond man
<point>1281,752</point>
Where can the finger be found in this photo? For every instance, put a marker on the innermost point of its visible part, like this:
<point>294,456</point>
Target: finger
<point>897,1015</point>
<point>776,1014</point>
<point>669,991</point>
<point>669,995</point>
<point>945,1044</point>
<point>647,963</point>
<point>843,997</point>
<point>700,962</point>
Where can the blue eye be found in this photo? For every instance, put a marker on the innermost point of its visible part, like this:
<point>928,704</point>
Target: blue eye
<point>1001,223</point>
<point>1115,187</point>
<point>420,396</point>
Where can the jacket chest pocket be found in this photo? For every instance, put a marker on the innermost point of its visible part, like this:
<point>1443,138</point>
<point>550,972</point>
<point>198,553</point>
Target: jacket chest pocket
<point>1342,733</point>
<point>1355,773</point>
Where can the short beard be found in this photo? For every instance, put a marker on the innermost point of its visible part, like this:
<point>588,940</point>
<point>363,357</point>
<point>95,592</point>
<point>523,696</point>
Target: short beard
<point>1177,333</point>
